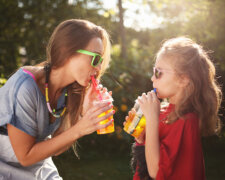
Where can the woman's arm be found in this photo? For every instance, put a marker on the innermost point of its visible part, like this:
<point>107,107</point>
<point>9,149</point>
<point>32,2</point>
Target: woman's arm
<point>29,152</point>
<point>57,132</point>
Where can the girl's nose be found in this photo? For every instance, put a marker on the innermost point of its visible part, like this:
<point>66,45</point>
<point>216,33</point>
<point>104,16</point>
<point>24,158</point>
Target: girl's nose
<point>152,78</point>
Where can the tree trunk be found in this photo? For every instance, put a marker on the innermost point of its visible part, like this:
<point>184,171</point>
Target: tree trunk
<point>122,30</point>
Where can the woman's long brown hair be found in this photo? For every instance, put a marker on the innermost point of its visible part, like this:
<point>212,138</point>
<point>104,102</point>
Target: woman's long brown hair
<point>202,95</point>
<point>68,37</point>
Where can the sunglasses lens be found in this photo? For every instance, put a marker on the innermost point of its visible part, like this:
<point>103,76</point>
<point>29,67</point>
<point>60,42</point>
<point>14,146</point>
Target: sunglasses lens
<point>96,60</point>
<point>157,73</point>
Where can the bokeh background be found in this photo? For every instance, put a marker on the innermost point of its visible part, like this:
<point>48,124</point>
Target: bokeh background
<point>137,29</point>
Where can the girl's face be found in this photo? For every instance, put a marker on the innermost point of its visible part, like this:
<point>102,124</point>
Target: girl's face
<point>166,81</point>
<point>79,66</point>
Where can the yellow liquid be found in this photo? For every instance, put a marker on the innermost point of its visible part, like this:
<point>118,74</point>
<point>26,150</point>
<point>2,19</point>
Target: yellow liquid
<point>108,129</point>
<point>129,127</point>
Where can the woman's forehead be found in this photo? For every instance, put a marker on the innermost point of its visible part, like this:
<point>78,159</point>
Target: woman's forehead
<point>95,45</point>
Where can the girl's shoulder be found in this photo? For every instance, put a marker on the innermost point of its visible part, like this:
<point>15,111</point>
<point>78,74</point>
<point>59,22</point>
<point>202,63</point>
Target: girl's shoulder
<point>190,115</point>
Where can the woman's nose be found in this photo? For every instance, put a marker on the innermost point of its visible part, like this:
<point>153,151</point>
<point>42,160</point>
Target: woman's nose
<point>98,67</point>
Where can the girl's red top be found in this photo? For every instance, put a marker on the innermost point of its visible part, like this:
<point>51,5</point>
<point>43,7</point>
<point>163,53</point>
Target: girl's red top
<point>181,154</point>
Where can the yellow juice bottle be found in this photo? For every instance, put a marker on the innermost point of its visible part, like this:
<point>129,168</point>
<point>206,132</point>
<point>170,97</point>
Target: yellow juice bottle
<point>135,125</point>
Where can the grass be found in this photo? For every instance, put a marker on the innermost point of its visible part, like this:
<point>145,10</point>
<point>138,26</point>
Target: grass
<point>101,165</point>
<point>106,167</point>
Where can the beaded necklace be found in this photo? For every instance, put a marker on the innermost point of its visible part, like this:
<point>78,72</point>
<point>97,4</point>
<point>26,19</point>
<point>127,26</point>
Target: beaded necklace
<point>55,112</point>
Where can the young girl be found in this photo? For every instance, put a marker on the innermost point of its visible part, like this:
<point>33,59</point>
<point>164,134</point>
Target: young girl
<point>51,99</point>
<point>170,148</point>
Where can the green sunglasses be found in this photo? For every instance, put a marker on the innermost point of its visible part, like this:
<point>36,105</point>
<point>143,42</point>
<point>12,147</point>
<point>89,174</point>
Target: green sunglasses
<point>96,60</point>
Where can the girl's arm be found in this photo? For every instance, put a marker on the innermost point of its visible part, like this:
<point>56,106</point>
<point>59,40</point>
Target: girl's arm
<point>150,106</point>
<point>152,146</point>
<point>29,152</point>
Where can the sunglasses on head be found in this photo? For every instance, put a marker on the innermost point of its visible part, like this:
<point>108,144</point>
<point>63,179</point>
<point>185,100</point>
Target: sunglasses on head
<point>158,72</point>
<point>96,60</point>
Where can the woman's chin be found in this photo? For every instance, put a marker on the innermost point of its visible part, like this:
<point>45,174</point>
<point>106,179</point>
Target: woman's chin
<point>85,83</point>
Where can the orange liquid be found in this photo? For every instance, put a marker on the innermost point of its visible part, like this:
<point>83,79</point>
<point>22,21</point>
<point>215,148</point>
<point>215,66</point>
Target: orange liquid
<point>135,131</point>
<point>108,129</point>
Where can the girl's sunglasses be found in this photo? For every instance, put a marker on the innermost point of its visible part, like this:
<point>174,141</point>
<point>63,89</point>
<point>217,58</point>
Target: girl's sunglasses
<point>96,60</point>
<point>158,72</point>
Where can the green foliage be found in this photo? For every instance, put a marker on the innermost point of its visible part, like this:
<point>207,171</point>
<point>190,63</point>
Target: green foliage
<point>2,81</point>
<point>28,24</point>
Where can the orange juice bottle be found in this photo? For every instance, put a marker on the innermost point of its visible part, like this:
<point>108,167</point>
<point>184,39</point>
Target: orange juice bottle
<point>135,125</point>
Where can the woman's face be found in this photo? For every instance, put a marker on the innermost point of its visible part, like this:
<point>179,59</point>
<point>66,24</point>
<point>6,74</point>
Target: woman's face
<point>168,84</point>
<point>79,66</point>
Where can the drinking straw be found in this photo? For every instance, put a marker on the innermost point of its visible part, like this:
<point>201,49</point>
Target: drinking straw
<point>96,89</point>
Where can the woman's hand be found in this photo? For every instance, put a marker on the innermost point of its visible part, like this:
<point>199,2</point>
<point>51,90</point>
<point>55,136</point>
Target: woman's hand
<point>89,123</point>
<point>91,96</point>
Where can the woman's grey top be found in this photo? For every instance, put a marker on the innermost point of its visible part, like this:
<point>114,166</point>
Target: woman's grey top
<point>23,105</point>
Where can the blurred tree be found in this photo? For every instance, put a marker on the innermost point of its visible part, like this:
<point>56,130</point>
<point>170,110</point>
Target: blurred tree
<point>10,32</point>
<point>122,30</point>
<point>26,26</point>
<point>202,20</point>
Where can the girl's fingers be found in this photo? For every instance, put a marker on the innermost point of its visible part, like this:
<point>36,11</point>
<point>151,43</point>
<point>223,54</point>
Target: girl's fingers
<point>140,101</point>
<point>154,96</point>
<point>144,95</point>
<point>133,111</point>
<point>130,113</point>
<point>149,96</point>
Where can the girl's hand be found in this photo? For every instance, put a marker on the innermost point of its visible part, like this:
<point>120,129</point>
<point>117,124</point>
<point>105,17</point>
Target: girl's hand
<point>141,139</point>
<point>150,105</point>
<point>90,121</point>
<point>131,115</point>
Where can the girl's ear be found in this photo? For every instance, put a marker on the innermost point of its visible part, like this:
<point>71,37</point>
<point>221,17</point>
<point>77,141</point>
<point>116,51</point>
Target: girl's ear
<point>184,81</point>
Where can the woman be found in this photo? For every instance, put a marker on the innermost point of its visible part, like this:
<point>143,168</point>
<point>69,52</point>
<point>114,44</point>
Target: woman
<point>48,99</point>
